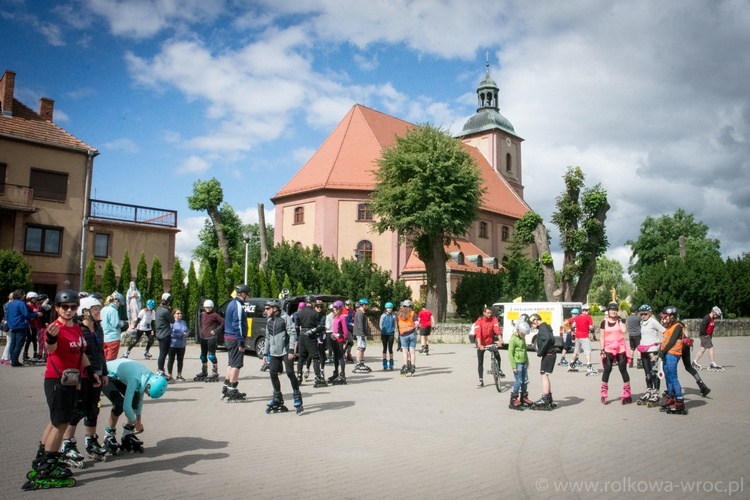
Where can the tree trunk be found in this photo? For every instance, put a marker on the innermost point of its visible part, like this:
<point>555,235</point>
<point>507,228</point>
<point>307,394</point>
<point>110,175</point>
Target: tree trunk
<point>437,287</point>
<point>542,245</point>
<point>213,214</point>
<point>262,234</point>
<point>587,273</point>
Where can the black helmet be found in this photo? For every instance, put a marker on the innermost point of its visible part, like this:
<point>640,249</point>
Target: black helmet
<point>242,289</point>
<point>309,299</point>
<point>535,317</point>
<point>67,297</point>
<point>633,308</point>
<point>612,306</point>
<point>670,310</point>
<point>272,302</point>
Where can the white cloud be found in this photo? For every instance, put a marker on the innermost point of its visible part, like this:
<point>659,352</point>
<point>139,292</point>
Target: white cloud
<point>187,239</point>
<point>193,165</point>
<point>122,144</point>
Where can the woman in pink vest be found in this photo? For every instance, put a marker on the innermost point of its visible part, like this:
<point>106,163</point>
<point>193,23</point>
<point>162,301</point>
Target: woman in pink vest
<point>614,350</point>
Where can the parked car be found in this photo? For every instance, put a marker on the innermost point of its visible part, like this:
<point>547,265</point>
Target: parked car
<point>256,318</point>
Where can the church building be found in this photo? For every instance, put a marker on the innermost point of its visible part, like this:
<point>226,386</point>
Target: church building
<point>327,202</point>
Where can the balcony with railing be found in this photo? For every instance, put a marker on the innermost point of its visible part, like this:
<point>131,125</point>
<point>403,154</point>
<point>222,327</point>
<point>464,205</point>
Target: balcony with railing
<point>122,212</point>
<point>15,197</point>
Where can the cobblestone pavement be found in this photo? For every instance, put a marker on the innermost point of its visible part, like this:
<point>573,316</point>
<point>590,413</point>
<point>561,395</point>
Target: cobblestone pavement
<point>432,436</point>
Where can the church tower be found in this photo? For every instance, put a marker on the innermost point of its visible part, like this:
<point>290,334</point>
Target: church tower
<point>494,135</point>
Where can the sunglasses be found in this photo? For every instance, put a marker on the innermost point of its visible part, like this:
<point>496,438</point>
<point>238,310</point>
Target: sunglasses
<point>68,307</point>
<point>645,314</point>
<point>267,308</point>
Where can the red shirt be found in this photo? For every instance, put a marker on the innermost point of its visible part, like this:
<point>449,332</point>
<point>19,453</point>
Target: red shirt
<point>582,322</point>
<point>69,353</point>
<point>425,317</point>
<point>485,328</point>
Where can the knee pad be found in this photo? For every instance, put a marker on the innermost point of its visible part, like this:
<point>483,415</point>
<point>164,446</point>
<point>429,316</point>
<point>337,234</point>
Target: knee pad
<point>203,359</point>
<point>212,357</point>
<point>362,349</point>
<point>117,408</point>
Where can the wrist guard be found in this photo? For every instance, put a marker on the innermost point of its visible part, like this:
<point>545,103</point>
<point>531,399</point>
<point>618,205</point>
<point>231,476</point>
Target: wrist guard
<point>51,339</point>
<point>89,371</point>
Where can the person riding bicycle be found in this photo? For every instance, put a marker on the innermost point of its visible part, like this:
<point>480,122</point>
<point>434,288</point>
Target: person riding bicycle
<point>486,331</point>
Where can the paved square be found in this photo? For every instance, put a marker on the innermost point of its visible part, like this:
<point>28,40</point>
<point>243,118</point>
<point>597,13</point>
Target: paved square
<point>431,436</point>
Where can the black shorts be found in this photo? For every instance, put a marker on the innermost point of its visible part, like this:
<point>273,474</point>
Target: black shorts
<point>634,341</point>
<point>235,357</point>
<point>548,363</point>
<point>61,401</point>
<point>707,341</point>
<point>426,331</point>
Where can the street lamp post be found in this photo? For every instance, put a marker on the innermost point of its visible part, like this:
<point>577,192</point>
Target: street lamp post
<point>246,236</point>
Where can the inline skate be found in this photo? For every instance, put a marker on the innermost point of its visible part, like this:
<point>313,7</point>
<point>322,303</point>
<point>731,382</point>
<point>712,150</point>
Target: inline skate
<point>704,388</point>
<point>390,365</point>
<point>110,441</point>
<point>129,441</point>
<point>201,377</point>
<point>696,366</point>
<point>147,355</point>
<point>48,472</point>
<point>591,372</point>
<point>544,403</point>
<point>713,367</point>
<point>572,368</point>
<point>234,395</point>
<point>677,407</point>
<point>298,403</point>
<point>626,397</point>
<point>385,364</point>
<point>515,402</point>
<point>94,450</point>
<point>604,393</point>
<point>643,400</point>
<point>214,377</point>
<point>320,382</point>
<point>276,404</point>
<point>339,380</point>
<point>526,402</point>
<point>362,368</point>
<point>306,374</point>
<point>669,400</point>
<point>70,455</point>
<point>563,362</point>
<point>653,401</point>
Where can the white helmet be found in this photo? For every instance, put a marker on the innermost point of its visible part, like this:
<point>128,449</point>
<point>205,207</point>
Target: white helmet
<point>31,295</point>
<point>87,303</point>
<point>166,297</point>
<point>208,303</point>
<point>523,328</point>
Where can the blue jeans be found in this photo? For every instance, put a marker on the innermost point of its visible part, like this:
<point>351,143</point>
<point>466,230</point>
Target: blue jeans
<point>522,378</point>
<point>670,373</point>
<point>409,341</point>
<point>17,338</point>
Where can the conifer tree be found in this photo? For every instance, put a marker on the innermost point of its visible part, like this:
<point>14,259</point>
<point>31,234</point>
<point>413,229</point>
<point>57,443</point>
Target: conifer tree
<point>89,277</point>
<point>141,279</point>
<point>109,281</point>
<point>126,274</point>
<point>156,286</point>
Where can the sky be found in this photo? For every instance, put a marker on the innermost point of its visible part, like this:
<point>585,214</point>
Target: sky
<point>651,99</point>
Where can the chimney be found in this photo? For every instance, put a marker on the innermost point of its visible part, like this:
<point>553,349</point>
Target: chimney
<point>7,84</point>
<point>46,108</point>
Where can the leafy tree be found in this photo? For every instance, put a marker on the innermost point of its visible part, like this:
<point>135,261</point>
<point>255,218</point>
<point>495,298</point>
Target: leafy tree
<point>208,281</point>
<point>224,285</point>
<point>368,280</point>
<point>609,275</point>
<point>178,291</point>
<point>208,195</point>
<point>273,284</point>
<point>525,277</point>
<point>15,272</point>
<point>156,287</point>
<point>194,292</point>
<point>89,277</point>
<point>263,290</point>
<point>109,281</point>
<point>737,298</point>
<point>126,274</point>
<point>477,290</point>
<point>141,278</point>
<point>429,191</point>
<point>580,217</point>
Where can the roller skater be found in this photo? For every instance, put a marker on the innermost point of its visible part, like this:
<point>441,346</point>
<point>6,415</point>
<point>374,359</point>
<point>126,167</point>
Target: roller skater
<point>144,326</point>
<point>130,442</point>
<point>651,331</point>
<point>670,352</point>
<point>339,335</point>
<point>129,383</point>
<point>210,323</point>
<point>388,322</point>
<point>425,328</point>
<point>408,323</point>
<point>570,328</point>
<point>309,319</point>
<point>94,450</point>
<point>581,325</point>
<point>276,404</point>
<point>281,342</point>
<point>70,455</point>
<point>519,362</point>
<point>545,350</point>
<point>235,333</point>
<point>361,330</point>
<point>614,350</point>
<point>707,344</point>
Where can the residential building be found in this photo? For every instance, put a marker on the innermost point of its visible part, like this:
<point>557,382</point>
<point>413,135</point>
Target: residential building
<point>46,176</point>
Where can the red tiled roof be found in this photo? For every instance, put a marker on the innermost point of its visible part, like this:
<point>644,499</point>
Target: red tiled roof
<point>348,156</point>
<point>27,125</point>
<point>414,265</point>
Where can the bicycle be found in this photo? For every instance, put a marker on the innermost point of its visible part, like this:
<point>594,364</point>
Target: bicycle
<point>495,370</point>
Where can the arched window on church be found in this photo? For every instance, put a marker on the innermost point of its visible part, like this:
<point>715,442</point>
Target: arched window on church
<point>364,251</point>
<point>508,163</point>
<point>299,215</point>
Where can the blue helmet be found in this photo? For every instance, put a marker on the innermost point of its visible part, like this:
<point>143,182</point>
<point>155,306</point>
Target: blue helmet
<point>157,386</point>
<point>150,303</point>
<point>574,311</point>
<point>389,305</point>
<point>364,302</point>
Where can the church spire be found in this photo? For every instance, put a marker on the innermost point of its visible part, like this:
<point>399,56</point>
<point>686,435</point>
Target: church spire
<point>488,90</point>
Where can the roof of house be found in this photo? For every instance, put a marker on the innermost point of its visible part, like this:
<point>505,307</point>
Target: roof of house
<point>416,266</point>
<point>347,158</point>
<point>26,125</point>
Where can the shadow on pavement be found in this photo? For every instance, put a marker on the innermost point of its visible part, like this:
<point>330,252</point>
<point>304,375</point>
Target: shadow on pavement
<point>174,464</point>
<point>334,405</point>
<point>567,401</point>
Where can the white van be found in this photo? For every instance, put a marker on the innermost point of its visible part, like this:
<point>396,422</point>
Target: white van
<point>554,314</point>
